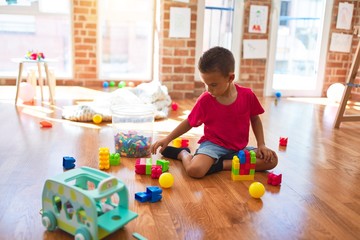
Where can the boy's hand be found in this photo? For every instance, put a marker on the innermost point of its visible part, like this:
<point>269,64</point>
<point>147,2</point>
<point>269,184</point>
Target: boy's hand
<point>160,143</point>
<point>266,153</point>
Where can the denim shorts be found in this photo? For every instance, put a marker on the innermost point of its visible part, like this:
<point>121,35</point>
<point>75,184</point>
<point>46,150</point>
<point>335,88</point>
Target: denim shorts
<point>215,151</point>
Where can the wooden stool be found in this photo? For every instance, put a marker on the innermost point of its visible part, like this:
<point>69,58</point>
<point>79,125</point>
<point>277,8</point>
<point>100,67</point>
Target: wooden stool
<point>49,79</point>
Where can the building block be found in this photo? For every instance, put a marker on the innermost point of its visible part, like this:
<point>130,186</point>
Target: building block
<point>142,196</point>
<point>156,171</point>
<point>164,164</point>
<point>114,159</point>
<point>68,162</point>
<point>104,158</point>
<point>274,179</point>
<point>145,166</point>
<point>243,165</point>
<point>152,194</point>
<point>283,141</point>
<point>180,143</point>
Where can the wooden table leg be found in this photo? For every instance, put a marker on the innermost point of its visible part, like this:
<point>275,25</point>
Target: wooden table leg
<point>40,80</point>
<point>18,81</point>
<point>49,83</point>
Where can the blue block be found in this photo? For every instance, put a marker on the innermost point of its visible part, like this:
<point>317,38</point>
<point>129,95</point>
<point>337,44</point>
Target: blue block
<point>155,198</point>
<point>142,196</point>
<point>153,190</point>
<point>68,162</point>
<point>242,157</point>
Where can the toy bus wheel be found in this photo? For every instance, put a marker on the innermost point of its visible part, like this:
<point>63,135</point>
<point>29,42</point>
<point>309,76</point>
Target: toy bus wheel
<point>49,221</point>
<point>82,234</point>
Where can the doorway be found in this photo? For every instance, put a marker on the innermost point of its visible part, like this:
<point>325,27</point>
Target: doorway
<point>298,44</point>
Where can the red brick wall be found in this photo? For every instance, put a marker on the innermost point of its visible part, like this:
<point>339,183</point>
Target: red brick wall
<point>177,55</point>
<point>85,44</point>
<point>252,71</point>
<point>337,63</point>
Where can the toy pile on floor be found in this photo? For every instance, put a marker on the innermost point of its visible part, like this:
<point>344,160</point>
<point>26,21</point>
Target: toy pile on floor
<point>145,93</point>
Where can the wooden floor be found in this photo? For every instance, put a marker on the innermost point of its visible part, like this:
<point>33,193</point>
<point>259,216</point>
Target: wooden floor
<point>318,199</point>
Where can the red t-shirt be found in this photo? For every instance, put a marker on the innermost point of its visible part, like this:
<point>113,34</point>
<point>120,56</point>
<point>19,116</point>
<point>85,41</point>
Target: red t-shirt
<point>226,125</point>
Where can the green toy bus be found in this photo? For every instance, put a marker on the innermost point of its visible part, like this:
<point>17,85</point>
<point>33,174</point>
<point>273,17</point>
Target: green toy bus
<point>85,202</point>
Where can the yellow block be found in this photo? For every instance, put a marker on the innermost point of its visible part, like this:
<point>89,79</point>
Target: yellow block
<point>241,177</point>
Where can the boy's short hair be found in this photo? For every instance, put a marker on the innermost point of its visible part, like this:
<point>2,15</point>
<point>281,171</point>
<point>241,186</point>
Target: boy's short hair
<point>217,59</point>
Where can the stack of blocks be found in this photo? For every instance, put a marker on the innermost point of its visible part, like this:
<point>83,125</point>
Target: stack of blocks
<point>145,166</point>
<point>152,194</point>
<point>104,158</point>
<point>243,165</point>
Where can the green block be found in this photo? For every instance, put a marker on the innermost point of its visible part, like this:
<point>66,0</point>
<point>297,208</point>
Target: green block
<point>164,164</point>
<point>148,166</point>
<point>114,159</point>
<point>235,171</point>
<point>252,172</point>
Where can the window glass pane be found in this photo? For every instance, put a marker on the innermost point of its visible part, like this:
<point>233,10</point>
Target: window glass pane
<point>126,39</point>
<point>218,23</point>
<point>39,26</point>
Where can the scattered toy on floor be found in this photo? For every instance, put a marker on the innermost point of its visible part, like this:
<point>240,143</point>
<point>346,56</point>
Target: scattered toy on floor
<point>274,179</point>
<point>68,204</point>
<point>174,106</point>
<point>166,180</point>
<point>145,166</point>
<point>68,162</point>
<point>152,194</point>
<point>45,124</point>
<point>283,141</point>
<point>121,84</point>
<point>243,165</point>
<point>256,190</point>
<point>180,143</point>
<point>97,118</point>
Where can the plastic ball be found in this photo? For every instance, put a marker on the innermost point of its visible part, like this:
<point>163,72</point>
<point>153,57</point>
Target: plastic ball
<point>131,84</point>
<point>121,84</point>
<point>166,180</point>
<point>105,84</point>
<point>335,92</point>
<point>256,190</point>
<point>112,84</point>
<point>174,106</point>
<point>97,118</point>
<point>278,94</point>
<point>26,92</point>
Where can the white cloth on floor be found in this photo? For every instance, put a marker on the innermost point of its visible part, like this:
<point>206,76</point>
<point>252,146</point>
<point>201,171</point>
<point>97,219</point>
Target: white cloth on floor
<point>145,93</point>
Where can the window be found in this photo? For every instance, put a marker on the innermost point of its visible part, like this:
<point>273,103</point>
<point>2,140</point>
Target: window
<point>39,26</point>
<point>126,39</point>
<point>219,24</point>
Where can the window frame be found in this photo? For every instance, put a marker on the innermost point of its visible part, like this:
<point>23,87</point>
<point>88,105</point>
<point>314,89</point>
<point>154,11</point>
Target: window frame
<point>29,10</point>
<point>150,73</point>
<point>236,41</point>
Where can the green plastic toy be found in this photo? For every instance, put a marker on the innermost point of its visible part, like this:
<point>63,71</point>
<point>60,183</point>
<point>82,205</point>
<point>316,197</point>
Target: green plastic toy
<point>85,202</point>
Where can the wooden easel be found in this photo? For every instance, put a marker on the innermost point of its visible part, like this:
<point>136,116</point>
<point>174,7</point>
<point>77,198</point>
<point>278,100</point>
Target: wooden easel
<point>340,117</point>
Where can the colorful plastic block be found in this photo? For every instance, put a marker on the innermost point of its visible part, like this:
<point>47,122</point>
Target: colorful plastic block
<point>142,196</point>
<point>68,162</point>
<point>156,171</point>
<point>104,158</point>
<point>274,179</point>
<point>243,165</point>
<point>283,141</point>
<point>179,142</point>
<point>152,194</point>
<point>144,166</point>
<point>164,164</point>
<point>114,159</point>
